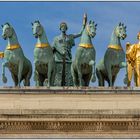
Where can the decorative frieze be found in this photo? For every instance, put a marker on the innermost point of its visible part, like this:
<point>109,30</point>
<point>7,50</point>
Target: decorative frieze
<point>94,112</point>
<point>68,126</point>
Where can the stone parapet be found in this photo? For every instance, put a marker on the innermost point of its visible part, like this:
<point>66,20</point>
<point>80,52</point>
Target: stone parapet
<point>69,112</point>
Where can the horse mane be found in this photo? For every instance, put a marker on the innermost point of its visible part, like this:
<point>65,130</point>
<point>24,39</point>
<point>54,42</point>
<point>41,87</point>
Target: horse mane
<point>122,24</point>
<point>37,21</point>
<point>92,21</point>
<point>7,24</point>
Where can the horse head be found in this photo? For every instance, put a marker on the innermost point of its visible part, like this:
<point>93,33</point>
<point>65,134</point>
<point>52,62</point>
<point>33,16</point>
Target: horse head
<point>91,28</point>
<point>37,29</point>
<point>120,31</point>
<point>7,31</point>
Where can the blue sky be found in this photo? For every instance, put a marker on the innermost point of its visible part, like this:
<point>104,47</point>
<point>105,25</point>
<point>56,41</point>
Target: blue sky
<point>106,14</point>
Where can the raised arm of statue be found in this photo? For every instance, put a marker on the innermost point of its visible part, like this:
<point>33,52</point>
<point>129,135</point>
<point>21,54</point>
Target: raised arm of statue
<point>83,27</point>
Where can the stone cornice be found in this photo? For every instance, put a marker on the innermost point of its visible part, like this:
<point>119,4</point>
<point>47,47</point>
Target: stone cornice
<point>69,112</point>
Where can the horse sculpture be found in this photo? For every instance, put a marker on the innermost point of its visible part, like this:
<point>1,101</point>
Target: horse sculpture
<point>43,57</point>
<point>19,66</point>
<point>83,66</point>
<point>114,58</point>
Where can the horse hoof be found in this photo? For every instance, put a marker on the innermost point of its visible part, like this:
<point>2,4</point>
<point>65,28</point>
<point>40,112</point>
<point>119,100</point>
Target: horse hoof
<point>125,81</point>
<point>48,85</point>
<point>18,86</point>
<point>93,79</point>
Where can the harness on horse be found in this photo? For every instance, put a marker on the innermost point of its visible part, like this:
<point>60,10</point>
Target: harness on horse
<point>116,47</point>
<point>42,45</point>
<point>13,47</point>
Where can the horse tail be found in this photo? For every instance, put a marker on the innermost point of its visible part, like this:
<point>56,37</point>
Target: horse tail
<point>91,62</point>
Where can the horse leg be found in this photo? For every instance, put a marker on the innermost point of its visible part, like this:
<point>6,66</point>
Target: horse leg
<point>115,72</point>
<point>36,78</point>
<point>102,82</point>
<point>4,79</point>
<point>27,82</point>
<point>79,75</point>
<point>49,73</point>
<point>28,76</point>
<point>20,69</point>
<point>87,78</point>
<point>41,80</point>
<point>73,75</point>
<point>109,72</point>
<point>93,77</point>
<point>15,79</point>
<point>36,74</point>
<point>113,80</point>
<point>100,77</point>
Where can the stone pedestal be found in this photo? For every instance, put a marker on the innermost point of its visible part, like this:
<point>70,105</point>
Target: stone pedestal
<point>69,112</point>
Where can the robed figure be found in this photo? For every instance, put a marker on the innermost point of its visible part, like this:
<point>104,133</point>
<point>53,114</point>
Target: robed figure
<point>62,46</point>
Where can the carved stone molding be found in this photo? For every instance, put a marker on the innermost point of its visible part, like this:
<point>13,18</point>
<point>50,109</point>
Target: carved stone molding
<point>68,126</point>
<point>70,112</point>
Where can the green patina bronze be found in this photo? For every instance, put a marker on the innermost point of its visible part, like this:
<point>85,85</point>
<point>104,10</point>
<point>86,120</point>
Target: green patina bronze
<point>83,66</point>
<point>14,59</point>
<point>44,63</point>
<point>114,58</point>
<point>62,46</point>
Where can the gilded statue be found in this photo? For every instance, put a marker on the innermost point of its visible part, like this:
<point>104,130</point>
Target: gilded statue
<point>133,61</point>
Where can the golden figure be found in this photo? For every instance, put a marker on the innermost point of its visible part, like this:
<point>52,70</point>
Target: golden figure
<point>1,54</point>
<point>133,61</point>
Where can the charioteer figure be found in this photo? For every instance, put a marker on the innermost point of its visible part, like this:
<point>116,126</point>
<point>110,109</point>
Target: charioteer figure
<point>62,46</point>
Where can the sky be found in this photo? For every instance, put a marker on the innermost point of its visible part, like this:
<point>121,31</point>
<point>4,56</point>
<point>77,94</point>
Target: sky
<point>106,14</point>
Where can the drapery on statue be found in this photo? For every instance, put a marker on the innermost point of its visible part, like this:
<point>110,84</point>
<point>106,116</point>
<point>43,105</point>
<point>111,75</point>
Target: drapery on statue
<point>114,58</point>
<point>44,73</point>
<point>83,66</point>
<point>62,46</point>
<point>133,62</point>
<point>14,59</point>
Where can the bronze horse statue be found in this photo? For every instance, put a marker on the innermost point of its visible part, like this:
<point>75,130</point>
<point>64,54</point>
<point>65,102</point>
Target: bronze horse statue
<point>114,58</point>
<point>83,66</point>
